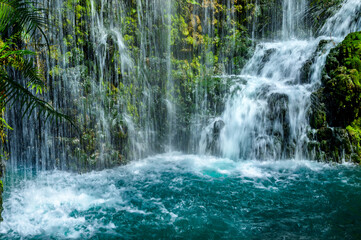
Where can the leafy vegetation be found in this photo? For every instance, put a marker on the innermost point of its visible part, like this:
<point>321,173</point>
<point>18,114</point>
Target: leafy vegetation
<point>20,21</point>
<point>340,98</point>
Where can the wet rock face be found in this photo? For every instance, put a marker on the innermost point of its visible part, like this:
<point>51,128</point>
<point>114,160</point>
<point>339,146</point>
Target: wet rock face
<point>338,104</point>
<point>305,72</point>
<point>279,127</point>
<point>213,140</point>
<point>318,119</point>
<point>324,133</point>
<point>278,105</point>
<point>217,127</point>
<point>266,57</point>
<point>278,112</point>
<point>331,144</point>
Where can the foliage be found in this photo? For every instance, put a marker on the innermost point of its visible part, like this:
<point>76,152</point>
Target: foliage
<point>343,81</point>
<point>13,91</point>
<point>354,131</point>
<point>20,21</point>
<point>20,18</point>
<point>340,103</point>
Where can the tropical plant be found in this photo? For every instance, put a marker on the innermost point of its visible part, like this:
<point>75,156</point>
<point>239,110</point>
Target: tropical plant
<point>20,19</point>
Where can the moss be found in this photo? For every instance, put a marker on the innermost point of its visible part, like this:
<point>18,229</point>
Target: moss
<point>324,134</point>
<point>342,81</point>
<point>343,88</point>
<point>339,102</point>
<point>354,131</point>
<point>350,51</point>
<point>318,119</point>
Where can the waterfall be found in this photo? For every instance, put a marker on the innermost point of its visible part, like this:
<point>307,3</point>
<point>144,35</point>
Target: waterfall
<point>114,95</point>
<point>134,88</point>
<point>113,67</point>
<point>266,113</point>
<point>229,117</point>
<point>265,116</point>
<point>293,13</point>
<point>345,21</point>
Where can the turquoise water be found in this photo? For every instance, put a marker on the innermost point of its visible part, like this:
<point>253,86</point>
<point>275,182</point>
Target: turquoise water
<point>187,197</point>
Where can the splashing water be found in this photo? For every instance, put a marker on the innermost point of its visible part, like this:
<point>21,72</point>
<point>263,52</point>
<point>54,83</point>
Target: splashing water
<point>202,197</point>
<point>345,21</point>
<point>187,196</point>
<point>266,113</point>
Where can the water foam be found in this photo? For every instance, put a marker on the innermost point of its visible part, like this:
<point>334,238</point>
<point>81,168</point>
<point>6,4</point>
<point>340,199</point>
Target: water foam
<point>163,190</point>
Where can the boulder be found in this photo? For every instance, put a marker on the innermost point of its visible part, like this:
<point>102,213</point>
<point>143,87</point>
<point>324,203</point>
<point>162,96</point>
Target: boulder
<point>335,111</point>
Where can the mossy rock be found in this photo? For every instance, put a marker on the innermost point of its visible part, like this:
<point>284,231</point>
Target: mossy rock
<point>325,146</point>
<point>350,51</point>
<point>354,131</point>
<point>355,158</point>
<point>318,119</point>
<point>336,107</point>
<point>343,93</point>
<point>322,44</point>
<point>313,145</point>
<point>342,81</point>
<point>324,133</point>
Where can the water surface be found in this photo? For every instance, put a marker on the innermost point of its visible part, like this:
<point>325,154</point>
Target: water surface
<point>178,196</point>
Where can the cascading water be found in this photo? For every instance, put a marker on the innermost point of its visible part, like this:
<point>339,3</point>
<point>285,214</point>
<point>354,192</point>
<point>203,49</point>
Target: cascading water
<point>293,18</point>
<point>113,67</point>
<point>266,112</point>
<point>345,21</point>
<point>173,195</point>
<point>265,116</point>
<point>114,93</point>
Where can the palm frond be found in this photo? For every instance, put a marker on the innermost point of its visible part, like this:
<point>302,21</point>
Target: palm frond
<point>29,71</point>
<point>21,16</point>
<point>6,125</point>
<point>17,60</point>
<point>12,92</point>
<point>6,12</point>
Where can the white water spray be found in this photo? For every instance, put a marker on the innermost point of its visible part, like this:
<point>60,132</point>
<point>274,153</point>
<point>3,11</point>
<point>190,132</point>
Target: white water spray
<point>266,113</point>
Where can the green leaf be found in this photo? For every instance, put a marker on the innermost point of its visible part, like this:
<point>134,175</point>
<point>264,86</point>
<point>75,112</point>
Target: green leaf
<point>193,2</point>
<point>5,124</point>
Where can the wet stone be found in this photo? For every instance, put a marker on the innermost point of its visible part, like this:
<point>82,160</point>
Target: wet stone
<point>324,133</point>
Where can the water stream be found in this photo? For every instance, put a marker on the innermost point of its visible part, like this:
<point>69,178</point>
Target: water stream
<point>266,113</point>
